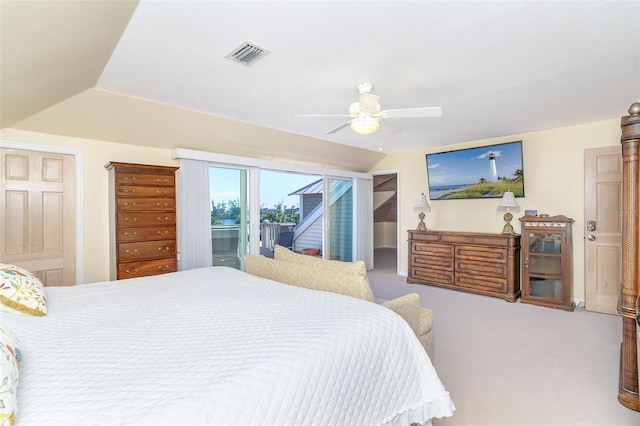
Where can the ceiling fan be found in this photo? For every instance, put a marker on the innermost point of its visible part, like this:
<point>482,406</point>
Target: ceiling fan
<point>366,114</point>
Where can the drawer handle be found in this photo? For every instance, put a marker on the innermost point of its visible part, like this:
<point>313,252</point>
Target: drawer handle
<point>165,232</point>
<point>165,180</point>
<point>129,271</point>
<point>165,268</point>
<point>127,219</point>
<point>160,219</point>
<point>127,234</point>
<point>129,178</point>
<point>161,192</point>
<point>126,191</point>
<point>163,249</point>
<point>131,251</point>
<point>127,204</point>
<point>162,204</point>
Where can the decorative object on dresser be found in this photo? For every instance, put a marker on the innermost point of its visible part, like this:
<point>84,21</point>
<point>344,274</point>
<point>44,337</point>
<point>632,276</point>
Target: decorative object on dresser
<point>547,261</point>
<point>481,263</point>
<point>628,390</point>
<point>142,219</point>
<point>508,202</point>
<point>420,206</point>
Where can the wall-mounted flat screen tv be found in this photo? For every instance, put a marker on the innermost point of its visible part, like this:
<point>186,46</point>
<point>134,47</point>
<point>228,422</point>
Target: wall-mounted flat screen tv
<point>481,172</point>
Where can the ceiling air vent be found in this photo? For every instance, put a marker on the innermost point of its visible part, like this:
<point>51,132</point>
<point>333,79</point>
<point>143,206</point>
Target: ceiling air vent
<point>247,53</point>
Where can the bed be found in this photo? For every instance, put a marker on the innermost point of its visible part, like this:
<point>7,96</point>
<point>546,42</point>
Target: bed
<point>217,346</point>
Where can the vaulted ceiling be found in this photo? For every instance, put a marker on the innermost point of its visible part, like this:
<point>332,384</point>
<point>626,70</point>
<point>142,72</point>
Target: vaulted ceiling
<point>154,72</point>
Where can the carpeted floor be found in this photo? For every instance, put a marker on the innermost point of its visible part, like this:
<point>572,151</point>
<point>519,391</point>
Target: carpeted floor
<point>517,364</point>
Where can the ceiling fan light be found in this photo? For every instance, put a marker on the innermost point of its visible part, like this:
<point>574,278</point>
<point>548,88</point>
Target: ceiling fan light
<point>365,124</point>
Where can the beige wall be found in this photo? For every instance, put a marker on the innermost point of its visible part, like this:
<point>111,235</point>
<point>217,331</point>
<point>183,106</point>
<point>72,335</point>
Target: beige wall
<point>95,154</point>
<point>553,179</point>
<point>385,234</point>
<point>553,173</point>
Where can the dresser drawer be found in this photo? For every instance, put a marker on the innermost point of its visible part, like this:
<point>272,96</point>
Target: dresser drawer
<point>425,261</point>
<point>487,269</point>
<point>145,234</point>
<point>146,250</point>
<point>476,282</point>
<point>124,178</point>
<point>432,275</point>
<point>145,204</point>
<point>146,219</point>
<point>143,269</point>
<point>145,191</point>
<point>432,249</point>
<point>492,254</point>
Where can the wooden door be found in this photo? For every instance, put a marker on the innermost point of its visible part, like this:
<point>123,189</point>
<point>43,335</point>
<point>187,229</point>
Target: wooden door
<point>603,245</point>
<point>37,224</point>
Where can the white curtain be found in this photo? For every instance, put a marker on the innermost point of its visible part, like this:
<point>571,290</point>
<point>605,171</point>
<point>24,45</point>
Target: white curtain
<point>363,235</point>
<point>194,214</point>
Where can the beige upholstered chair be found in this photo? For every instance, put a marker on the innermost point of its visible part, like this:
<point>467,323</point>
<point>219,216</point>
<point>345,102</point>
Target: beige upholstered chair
<point>349,278</point>
<point>420,319</point>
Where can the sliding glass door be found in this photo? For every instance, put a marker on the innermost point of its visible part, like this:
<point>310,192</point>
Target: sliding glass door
<point>339,219</point>
<point>290,211</point>
<point>224,200</point>
<point>228,189</point>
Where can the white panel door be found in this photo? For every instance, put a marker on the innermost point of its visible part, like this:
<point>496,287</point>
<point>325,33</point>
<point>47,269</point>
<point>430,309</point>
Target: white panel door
<point>37,223</point>
<point>603,233</point>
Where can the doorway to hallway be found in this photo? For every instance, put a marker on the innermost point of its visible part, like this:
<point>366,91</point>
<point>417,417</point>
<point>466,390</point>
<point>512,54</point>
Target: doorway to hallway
<point>385,220</point>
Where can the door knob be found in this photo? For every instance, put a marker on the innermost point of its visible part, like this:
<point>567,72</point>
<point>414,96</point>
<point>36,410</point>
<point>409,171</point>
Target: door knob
<point>591,237</point>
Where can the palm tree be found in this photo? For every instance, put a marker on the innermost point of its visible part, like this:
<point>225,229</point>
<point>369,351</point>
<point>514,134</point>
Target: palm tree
<point>518,175</point>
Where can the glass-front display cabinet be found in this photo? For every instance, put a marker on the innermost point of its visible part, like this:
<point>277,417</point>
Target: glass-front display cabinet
<point>547,261</point>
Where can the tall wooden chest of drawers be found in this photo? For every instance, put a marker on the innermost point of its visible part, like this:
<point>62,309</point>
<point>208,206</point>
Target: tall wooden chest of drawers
<point>142,220</point>
<point>480,263</point>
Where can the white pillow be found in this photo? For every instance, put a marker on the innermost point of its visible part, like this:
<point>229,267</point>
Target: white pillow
<point>21,291</point>
<point>10,358</point>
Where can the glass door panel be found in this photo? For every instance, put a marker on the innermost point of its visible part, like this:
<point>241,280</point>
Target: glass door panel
<point>339,226</point>
<point>546,289</point>
<point>545,265</point>
<point>290,211</point>
<point>545,243</point>
<point>229,216</point>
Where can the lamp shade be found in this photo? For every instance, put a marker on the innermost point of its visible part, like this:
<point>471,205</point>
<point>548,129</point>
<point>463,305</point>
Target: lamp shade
<point>421,203</point>
<point>365,124</point>
<point>508,201</point>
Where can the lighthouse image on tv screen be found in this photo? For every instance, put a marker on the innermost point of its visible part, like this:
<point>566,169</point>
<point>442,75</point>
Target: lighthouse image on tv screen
<point>482,172</point>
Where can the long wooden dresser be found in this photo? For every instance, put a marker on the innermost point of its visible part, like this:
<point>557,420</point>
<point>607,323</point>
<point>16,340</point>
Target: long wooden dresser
<point>142,219</point>
<point>487,264</point>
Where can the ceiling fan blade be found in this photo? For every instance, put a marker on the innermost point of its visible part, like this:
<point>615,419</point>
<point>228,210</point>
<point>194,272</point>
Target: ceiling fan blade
<point>322,115</point>
<point>412,112</point>
<point>340,127</point>
<point>390,128</point>
<point>368,102</point>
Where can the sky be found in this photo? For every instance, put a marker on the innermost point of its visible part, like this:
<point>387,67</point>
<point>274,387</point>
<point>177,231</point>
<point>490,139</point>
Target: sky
<point>467,166</point>
<point>274,186</point>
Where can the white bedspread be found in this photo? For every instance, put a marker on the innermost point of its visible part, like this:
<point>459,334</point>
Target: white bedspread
<point>217,346</point>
